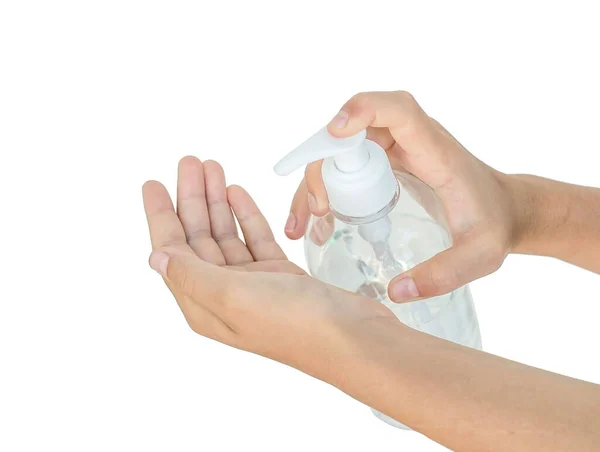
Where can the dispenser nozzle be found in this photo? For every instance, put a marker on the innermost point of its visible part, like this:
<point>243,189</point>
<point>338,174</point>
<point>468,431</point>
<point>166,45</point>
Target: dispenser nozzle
<point>349,153</point>
<point>356,172</point>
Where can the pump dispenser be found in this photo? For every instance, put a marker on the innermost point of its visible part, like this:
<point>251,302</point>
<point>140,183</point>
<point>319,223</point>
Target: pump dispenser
<point>356,172</point>
<point>381,223</point>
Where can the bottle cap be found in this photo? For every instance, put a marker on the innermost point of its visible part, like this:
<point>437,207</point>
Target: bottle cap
<point>356,172</point>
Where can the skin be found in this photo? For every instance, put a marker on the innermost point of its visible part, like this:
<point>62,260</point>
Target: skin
<point>244,293</point>
<point>490,214</point>
<point>248,295</point>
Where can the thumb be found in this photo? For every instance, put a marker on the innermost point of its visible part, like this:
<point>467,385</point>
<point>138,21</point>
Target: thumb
<point>397,111</point>
<point>422,148</point>
<point>187,274</point>
<point>446,271</point>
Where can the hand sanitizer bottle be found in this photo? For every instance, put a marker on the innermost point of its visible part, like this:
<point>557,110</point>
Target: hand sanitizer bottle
<point>381,223</point>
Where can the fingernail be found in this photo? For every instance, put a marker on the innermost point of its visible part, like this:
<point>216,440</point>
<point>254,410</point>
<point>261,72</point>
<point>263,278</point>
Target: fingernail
<point>159,262</point>
<point>290,224</point>
<point>340,120</point>
<point>312,203</point>
<point>404,289</point>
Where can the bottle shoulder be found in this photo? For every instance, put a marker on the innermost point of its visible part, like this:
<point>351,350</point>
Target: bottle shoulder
<point>415,207</point>
<point>416,229</point>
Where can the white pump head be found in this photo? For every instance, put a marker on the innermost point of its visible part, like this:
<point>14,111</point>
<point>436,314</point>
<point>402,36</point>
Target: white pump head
<point>356,172</point>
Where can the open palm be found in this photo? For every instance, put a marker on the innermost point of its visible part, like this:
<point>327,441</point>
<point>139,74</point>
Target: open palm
<point>204,223</point>
<point>245,293</point>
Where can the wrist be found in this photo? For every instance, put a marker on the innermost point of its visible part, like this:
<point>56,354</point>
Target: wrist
<point>539,212</point>
<point>523,210</point>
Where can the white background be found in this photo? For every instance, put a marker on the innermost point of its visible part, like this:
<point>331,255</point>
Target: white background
<point>97,97</point>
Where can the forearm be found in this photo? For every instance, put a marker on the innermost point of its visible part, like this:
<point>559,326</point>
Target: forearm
<point>558,220</point>
<point>465,399</point>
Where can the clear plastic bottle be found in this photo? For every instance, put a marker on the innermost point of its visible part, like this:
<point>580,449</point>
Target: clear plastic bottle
<point>381,224</point>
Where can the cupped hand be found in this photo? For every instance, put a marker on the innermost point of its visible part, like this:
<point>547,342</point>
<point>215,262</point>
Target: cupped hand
<point>480,203</point>
<point>245,293</point>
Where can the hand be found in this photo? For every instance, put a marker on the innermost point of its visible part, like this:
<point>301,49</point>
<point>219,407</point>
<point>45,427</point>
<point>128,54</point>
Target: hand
<point>479,202</point>
<point>245,294</point>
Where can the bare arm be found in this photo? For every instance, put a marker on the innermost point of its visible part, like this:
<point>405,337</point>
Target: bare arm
<point>489,214</point>
<point>465,399</point>
<point>249,296</point>
<point>563,220</point>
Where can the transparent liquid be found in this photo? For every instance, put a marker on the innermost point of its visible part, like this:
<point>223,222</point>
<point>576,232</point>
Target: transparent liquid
<point>338,255</point>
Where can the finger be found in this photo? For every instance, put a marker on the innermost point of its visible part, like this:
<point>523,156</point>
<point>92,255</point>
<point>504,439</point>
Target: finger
<point>424,146</point>
<point>295,226</point>
<point>322,229</point>
<point>257,233</point>
<point>318,202</point>
<point>447,271</point>
<point>165,227</point>
<point>222,224</point>
<point>381,136</point>
<point>166,231</point>
<point>397,111</point>
<point>300,211</point>
<point>193,211</point>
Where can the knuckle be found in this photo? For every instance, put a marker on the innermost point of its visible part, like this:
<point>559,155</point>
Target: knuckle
<point>361,104</point>
<point>360,99</point>
<point>366,102</point>
<point>442,279</point>
<point>405,98</point>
